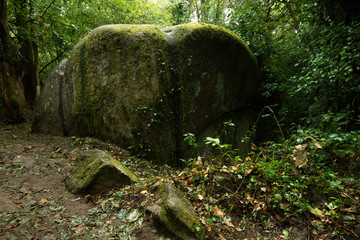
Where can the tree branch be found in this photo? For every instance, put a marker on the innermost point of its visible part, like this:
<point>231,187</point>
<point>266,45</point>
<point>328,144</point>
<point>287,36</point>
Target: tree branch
<point>47,8</point>
<point>52,61</point>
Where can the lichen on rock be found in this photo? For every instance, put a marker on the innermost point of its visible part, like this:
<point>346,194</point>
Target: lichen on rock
<point>96,171</point>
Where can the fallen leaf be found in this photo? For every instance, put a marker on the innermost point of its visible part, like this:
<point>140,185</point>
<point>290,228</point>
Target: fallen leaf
<point>300,155</point>
<point>43,228</point>
<point>89,198</point>
<point>201,197</point>
<point>80,228</point>
<point>321,236</point>
<point>182,173</point>
<point>221,236</point>
<point>314,223</point>
<point>57,215</point>
<point>218,212</point>
<point>248,171</point>
<point>103,202</point>
<point>43,201</point>
<point>127,187</point>
<point>234,168</point>
<point>229,224</point>
<point>254,147</point>
<point>314,141</point>
<point>143,192</point>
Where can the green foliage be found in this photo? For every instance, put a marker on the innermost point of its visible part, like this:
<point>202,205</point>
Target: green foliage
<point>310,64</point>
<point>191,140</point>
<point>180,11</point>
<point>328,79</point>
<point>269,181</point>
<point>58,25</point>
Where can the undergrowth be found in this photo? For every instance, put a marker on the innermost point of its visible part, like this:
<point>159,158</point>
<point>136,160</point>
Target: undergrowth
<point>309,179</point>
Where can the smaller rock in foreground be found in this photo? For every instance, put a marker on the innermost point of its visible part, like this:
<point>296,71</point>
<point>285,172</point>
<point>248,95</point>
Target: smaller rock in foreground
<point>175,212</point>
<point>95,171</point>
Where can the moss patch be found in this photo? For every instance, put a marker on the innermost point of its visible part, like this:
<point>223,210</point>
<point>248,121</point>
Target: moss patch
<point>96,171</point>
<point>176,212</point>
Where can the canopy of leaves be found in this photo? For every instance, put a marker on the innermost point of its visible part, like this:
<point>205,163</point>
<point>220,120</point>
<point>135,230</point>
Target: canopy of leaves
<point>58,25</point>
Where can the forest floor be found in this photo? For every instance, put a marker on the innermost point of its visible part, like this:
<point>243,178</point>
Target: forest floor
<point>34,202</point>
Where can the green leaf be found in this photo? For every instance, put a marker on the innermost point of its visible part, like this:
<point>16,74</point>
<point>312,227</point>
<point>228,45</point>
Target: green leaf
<point>277,197</point>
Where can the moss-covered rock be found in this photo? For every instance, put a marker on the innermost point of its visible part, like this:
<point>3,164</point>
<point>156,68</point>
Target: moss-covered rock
<point>55,105</point>
<point>143,87</point>
<point>96,171</point>
<point>175,212</point>
<point>217,74</point>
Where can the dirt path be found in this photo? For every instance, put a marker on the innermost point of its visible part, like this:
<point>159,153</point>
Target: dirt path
<point>34,203</point>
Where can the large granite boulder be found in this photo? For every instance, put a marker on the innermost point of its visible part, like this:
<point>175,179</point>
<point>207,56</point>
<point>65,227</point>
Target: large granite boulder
<point>143,87</point>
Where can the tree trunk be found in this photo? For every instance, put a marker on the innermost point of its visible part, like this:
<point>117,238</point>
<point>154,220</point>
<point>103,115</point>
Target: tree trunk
<point>13,106</point>
<point>27,50</point>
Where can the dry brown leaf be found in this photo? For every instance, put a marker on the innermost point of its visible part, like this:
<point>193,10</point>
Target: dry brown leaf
<point>43,201</point>
<point>229,224</point>
<point>218,212</point>
<point>201,197</point>
<point>40,229</point>
<point>300,155</point>
<point>248,171</point>
<point>234,168</point>
<point>321,236</point>
<point>182,173</point>
<point>199,164</point>
<point>314,141</point>
<point>254,147</point>
<point>80,228</point>
<point>127,187</point>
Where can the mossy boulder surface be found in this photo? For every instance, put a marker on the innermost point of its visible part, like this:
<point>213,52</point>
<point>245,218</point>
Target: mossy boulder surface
<point>218,79</point>
<point>175,212</point>
<point>143,87</point>
<point>95,171</point>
